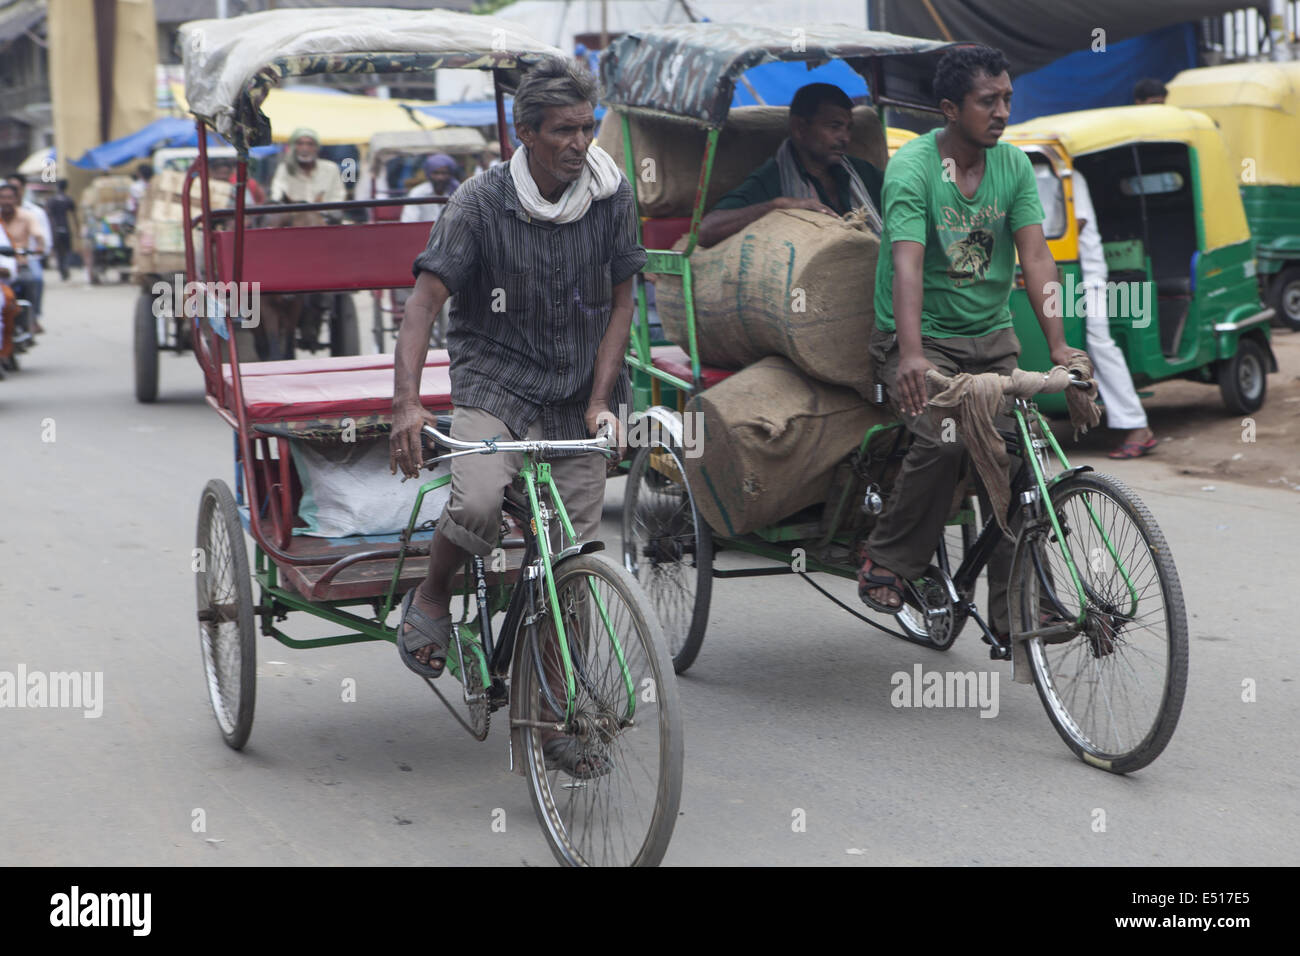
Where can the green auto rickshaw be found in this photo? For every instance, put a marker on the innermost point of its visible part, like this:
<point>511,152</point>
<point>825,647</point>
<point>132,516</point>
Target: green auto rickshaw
<point>1182,293</point>
<point>1257,108</point>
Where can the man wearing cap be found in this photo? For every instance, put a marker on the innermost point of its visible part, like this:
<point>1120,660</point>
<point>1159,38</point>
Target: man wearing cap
<point>303,176</point>
<point>442,181</point>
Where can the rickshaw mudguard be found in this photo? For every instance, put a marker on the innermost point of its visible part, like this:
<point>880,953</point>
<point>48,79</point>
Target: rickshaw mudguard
<point>1242,322</point>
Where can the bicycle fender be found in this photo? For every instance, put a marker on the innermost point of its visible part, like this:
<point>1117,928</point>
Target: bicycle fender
<point>585,547</point>
<point>1068,473</point>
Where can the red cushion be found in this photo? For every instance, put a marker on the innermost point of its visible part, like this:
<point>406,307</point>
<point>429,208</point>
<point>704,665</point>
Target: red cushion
<point>306,395</point>
<point>367,255</point>
<point>341,363</point>
<point>662,233</point>
<point>675,361</point>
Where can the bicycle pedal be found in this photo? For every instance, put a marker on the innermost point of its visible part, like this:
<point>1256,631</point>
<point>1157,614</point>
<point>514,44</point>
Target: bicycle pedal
<point>1000,653</point>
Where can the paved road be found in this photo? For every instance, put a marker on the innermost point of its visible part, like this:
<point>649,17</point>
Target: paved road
<point>788,707</point>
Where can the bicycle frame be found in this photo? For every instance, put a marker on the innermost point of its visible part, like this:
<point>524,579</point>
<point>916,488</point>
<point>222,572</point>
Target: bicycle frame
<point>493,659</point>
<point>977,557</point>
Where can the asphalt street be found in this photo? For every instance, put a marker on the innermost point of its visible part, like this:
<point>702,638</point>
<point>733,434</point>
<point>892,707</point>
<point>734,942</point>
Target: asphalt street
<point>787,710</point>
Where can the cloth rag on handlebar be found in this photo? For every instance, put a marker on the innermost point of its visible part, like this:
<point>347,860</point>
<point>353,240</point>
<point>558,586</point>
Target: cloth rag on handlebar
<point>976,399</point>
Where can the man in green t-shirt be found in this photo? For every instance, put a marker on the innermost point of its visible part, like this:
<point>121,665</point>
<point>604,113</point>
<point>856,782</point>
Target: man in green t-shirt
<point>958,207</point>
<point>811,170</point>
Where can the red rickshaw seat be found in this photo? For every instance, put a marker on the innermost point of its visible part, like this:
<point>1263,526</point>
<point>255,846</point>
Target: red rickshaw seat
<point>675,361</point>
<point>296,396</point>
<point>345,258</point>
<point>339,363</point>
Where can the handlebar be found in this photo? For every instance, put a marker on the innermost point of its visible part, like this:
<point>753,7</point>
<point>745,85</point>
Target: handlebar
<point>601,444</point>
<point>1022,383</point>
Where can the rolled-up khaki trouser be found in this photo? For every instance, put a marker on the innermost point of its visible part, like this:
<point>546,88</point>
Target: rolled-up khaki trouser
<point>472,517</point>
<point>905,537</point>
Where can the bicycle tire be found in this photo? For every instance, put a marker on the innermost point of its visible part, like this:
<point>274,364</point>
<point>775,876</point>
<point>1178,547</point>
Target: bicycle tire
<point>570,818</point>
<point>227,639</point>
<point>662,527</point>
<point>1122,636</point>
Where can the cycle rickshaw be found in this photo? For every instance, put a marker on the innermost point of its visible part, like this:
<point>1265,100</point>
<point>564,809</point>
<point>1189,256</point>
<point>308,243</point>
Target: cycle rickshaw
<point>1112,675</point>
<point>578,652</point>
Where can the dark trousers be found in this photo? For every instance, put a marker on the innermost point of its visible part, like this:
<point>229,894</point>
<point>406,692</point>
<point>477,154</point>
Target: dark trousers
<point>905,538</point>
<point>63,249</point>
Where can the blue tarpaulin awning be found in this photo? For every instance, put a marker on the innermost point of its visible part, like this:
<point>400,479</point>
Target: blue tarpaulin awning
<point>776,83</point>
<point>167,132</point>
<point>1088,80</point>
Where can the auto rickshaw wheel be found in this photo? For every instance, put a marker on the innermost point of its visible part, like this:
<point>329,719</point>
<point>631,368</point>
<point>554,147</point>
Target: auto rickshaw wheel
<point>1286,299</point>
<point>146,349</point>
<point>1243,379</point>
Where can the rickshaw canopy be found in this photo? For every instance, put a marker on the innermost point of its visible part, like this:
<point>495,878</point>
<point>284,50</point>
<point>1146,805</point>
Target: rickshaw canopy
<point>1092,131</point>
<point>231,65</point>
<point>690,70</point>
<point>1257,106</point>
<point>339,119</point>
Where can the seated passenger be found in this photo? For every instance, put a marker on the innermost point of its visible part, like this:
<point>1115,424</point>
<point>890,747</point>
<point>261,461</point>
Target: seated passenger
<point>811,170</point>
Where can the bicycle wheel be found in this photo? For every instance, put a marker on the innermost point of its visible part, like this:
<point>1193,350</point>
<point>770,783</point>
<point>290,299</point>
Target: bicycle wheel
<point>668,548</point>
<point>1113,690</point>
<point>627,718</point>
<point>225,613</point>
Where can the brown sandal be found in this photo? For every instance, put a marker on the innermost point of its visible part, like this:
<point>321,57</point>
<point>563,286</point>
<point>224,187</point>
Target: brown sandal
<point>869,580</point>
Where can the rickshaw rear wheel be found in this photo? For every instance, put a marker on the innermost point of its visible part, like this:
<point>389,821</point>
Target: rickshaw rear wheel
<point>225,613</point>
<point>668,548</point>
<point>1243,379</point>
<point>345,337</point>
<point>146,349</point>
<point>1286,299</point>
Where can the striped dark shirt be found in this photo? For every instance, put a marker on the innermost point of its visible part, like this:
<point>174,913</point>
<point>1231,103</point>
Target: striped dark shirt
<point>532,301</point>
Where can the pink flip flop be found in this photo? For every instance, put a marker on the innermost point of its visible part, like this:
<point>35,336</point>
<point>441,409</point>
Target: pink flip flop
<point>1134,449</point>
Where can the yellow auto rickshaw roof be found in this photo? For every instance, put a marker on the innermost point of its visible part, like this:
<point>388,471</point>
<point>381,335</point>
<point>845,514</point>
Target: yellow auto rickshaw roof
<point>1268,85</point>
<point>1257,107</point>
<point>1091,131</point>
<point>896,136</point>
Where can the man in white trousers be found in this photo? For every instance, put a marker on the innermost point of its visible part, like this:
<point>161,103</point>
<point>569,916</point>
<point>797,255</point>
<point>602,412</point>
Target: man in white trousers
<point>1123,409</point>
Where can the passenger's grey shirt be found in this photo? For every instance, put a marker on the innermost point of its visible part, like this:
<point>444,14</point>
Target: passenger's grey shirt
<point>532,301</point>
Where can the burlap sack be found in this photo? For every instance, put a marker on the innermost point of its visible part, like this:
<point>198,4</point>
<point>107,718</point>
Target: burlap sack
<point>795,283</point>
<point>770,440</point>
<point>666,186</point>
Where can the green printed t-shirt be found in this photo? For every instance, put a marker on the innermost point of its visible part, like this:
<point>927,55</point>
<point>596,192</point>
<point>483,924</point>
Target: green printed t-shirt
<point>970,253</point>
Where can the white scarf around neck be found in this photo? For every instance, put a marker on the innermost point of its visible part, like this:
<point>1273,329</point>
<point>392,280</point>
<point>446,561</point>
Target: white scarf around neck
<point>599,180</point>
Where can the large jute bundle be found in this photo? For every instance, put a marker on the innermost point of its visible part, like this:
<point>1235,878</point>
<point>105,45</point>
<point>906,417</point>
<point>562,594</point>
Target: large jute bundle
<point>666,187</point>
<point>771,437</point>
<point>795,283</point>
